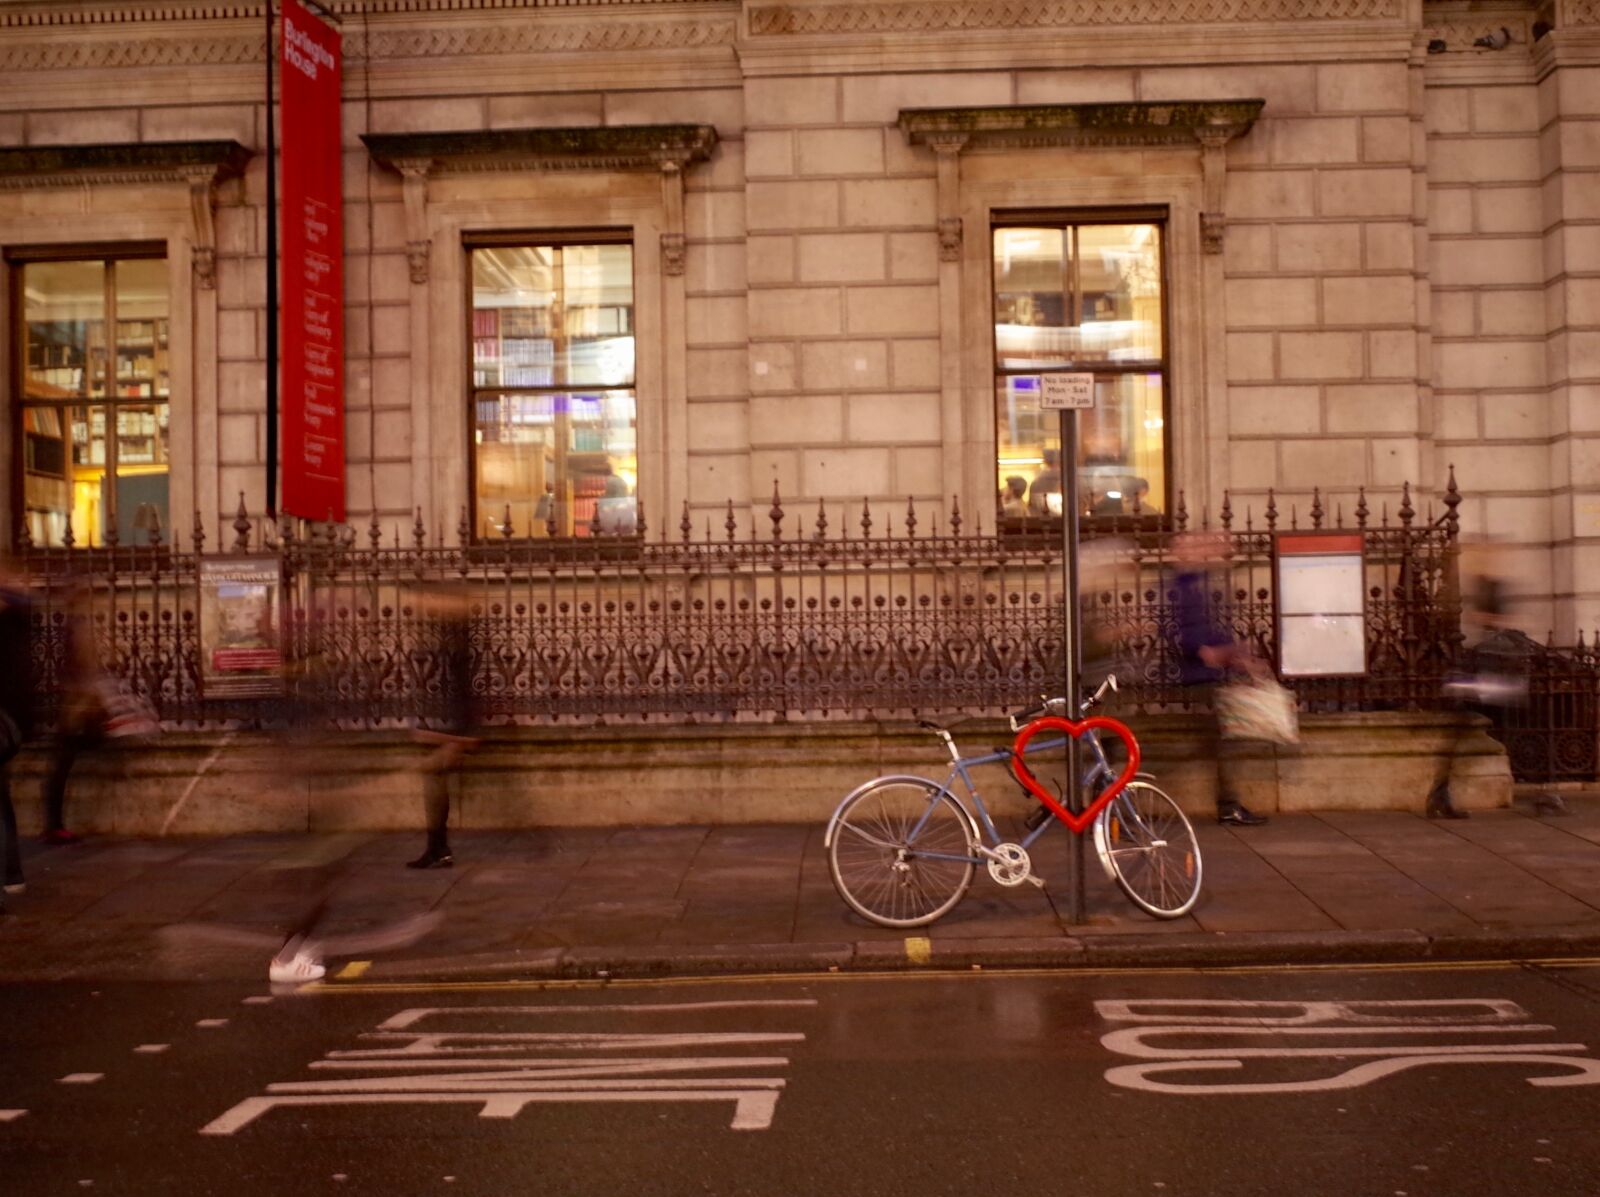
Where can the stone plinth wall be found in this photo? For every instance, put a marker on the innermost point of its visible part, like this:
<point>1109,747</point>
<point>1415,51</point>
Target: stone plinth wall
<point>196,784</point>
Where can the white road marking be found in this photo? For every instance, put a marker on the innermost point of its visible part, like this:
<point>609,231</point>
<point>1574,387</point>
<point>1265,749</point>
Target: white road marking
<point>212,1023</point>
<point>11,1115</point>
<point>1210,1032</point>
<point>409,1018</point>
<point>80,1078</point>
<point>259,999</point>
<point>504,1071</point>
<point>753,1110</point>
<point>151,1049</point>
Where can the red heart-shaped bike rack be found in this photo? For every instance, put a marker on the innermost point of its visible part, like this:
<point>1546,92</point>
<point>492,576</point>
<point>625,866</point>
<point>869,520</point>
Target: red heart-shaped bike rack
<point>1029,782</point>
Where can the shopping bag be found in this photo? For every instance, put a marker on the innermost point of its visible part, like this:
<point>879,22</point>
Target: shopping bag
<point>1258,709</point>
<point>126,714</point>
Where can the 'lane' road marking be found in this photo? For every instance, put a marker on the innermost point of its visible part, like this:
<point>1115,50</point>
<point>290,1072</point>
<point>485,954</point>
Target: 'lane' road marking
<point>150,1049</point>
<point>11,1115</point>
<point>80,1078</point>
<point>212,1023</point>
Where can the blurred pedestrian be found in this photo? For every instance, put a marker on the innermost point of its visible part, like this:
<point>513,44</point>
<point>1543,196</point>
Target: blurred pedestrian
<point>1491,672</point>
<point>1207,654</point>
<point>17,701</point>
<point>454,733</point>
<point>80,715</point>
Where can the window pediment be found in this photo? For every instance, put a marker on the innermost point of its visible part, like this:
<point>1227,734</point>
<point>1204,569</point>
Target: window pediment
<point>1170,122</point>
<point>39,166</point>
<point>620,147</point>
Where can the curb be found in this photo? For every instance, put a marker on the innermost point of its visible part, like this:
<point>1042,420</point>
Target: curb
<point>1189,950</point>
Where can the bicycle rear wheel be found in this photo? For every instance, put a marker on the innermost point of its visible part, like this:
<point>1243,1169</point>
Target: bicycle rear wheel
<point>901,852</point>
<point>1150,846</point>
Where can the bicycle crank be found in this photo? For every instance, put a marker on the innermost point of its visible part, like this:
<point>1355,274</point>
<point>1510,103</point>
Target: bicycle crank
<point>1009,865</point>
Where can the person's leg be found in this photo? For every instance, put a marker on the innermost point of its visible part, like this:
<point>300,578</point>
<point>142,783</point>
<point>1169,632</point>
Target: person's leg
<point>1439,805</point>
<point>436,798</point>
<point>63,756</point>
<point>8,827</point>
<point>1227,754</point>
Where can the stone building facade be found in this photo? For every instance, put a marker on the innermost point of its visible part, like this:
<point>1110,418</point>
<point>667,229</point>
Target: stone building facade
<point>1379,224</point>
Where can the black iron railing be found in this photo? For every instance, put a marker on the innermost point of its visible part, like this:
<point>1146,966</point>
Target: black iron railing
<point>793,621</point>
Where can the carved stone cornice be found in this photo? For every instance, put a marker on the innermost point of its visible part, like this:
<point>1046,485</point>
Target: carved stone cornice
<point>1185,122</point>
<point>613,28</point>
<point>617,147</point>
<point>923,16</point>
<point>56,13</point>
<point>41,166</point>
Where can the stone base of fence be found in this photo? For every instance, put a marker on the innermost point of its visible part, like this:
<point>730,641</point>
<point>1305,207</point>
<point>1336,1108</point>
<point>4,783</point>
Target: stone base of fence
<point>216,783</point>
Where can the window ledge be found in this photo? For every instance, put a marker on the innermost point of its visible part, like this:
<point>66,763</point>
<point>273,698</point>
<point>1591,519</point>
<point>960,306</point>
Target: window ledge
<point>1176,122</point>
<point>23,167</point>
<point>618,147</point>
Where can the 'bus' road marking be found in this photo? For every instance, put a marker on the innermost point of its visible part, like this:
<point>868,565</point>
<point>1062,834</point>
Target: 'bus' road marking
<point>504,1071</point>
<point>11,1115</point>
<point>212,1023</point>
<point>1211,1030</point>
<point>80,1078</point>
<point>151,1049</point>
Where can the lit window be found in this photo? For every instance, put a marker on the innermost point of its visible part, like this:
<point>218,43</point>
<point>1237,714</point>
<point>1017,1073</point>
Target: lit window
<point>554,412</point>
<point>93,409</point>
<point>1081,297</point>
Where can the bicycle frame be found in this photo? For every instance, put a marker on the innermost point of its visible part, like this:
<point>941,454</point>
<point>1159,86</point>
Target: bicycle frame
<point>960,767</point>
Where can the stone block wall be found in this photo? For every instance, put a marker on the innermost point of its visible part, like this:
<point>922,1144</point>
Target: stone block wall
<point>1410,273</point>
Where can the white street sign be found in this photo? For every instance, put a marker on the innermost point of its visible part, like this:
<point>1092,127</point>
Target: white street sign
<point>1066,392</point>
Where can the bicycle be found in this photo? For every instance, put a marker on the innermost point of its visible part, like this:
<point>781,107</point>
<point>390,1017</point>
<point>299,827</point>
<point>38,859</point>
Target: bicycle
<point>903,849</point>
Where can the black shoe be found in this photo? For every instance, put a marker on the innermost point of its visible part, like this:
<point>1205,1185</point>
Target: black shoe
<point>432,860</point>
<point>1440,806</point>
<point>1236,814</point>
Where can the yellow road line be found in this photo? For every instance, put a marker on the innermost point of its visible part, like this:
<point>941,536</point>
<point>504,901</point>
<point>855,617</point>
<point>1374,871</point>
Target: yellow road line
<point>354,969</point>
<point>340,986</point>
<point>919,949</point>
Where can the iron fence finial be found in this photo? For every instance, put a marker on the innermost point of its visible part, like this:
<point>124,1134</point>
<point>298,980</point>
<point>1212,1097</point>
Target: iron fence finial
<point>67,539</point>
<point>684,526</point>
<point>24,536</point>
<point>1407,512</point>
<point>1316,507</point>
<point>1362,510</point>
<point>775,514</point>
<point>955,515</point>
<point>731,523</point>
<point>154,516</point>
<point>241,527</point>
<point>866,520</point>
<point>464,528</point>
<point>1226,514</point>
<point>1452,500</point>
<point>638,516</point>
<point>419,531</point>
<point>1272,510</point>
<point>822,521</point>
<point>1181,515</point>
<point>374,531</point>
<point>911,517</point>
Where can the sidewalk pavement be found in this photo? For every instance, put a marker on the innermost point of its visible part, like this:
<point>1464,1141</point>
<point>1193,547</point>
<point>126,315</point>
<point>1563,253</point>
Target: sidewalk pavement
<point>1325,887</point>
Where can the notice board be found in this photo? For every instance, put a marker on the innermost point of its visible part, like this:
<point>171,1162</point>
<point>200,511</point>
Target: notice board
<point>1320,598</point>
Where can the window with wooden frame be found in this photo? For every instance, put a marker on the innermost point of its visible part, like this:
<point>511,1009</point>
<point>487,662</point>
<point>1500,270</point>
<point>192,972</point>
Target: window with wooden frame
<point>1082,293</point>
<point>554,419</point>
<point>90,393</point>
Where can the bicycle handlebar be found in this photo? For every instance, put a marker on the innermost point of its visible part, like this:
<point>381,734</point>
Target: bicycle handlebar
<point>1058,706</point>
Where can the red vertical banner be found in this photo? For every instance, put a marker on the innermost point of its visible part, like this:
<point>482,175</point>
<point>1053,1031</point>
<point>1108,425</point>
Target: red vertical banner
<point>312,311</point>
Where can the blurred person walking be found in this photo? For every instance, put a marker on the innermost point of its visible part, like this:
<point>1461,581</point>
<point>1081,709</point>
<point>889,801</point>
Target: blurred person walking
<point>1207,655</point>
<point>455,732</point>
<point>17,702</point>
<point>81,715</point>
<point>1491,673</point>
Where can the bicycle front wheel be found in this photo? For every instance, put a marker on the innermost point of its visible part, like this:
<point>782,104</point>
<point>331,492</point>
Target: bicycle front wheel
<point>901,852</point>
<point>1150,846</point>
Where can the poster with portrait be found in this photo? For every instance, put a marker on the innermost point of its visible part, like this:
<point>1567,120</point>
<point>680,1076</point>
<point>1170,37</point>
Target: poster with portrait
<point>241,652</point>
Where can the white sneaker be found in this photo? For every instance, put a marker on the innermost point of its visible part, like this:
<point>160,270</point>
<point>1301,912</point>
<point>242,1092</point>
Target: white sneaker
<point>297,970</point>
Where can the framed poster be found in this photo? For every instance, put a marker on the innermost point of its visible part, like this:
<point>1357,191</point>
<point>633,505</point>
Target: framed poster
<point>241,652</point>
<point>1321,600</point>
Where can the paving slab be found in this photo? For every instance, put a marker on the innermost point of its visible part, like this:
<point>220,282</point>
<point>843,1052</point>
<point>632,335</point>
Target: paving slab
<point>1332,886</point>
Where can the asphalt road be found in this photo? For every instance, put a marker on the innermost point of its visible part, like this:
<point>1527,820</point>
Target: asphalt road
<point>1396,1082</point>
